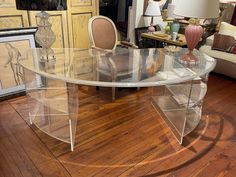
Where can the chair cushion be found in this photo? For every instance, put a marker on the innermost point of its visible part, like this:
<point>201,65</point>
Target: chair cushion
<point>104,34</point>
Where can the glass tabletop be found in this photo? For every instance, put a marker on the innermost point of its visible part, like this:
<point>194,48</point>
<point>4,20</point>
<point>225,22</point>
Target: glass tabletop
<point>119,68</point>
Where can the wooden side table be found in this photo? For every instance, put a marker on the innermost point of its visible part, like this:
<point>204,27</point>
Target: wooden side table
<point>181,42</point>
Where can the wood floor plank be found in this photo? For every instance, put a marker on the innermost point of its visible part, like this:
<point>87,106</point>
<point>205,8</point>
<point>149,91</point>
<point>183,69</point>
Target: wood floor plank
<point>21,151</point>
<point>123,138</point>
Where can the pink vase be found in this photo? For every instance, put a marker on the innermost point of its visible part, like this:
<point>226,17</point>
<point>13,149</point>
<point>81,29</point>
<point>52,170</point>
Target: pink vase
<point>193,34</point>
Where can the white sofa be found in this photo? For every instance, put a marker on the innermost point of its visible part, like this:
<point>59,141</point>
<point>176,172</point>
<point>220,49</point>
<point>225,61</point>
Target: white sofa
<point>226,62</point>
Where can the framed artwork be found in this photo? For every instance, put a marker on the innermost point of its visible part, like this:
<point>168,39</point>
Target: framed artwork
<point>14,44</point>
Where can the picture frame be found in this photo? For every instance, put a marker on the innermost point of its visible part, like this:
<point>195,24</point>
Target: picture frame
<point>14,44</point>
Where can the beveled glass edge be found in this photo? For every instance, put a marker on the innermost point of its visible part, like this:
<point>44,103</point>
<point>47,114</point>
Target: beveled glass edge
<point>127,85</point>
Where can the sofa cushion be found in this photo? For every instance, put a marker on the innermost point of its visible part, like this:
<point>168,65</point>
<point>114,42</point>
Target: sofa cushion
<point>227,29</point>
<point>223,42</point>
<point>233,49</point>
<point>218,54</point>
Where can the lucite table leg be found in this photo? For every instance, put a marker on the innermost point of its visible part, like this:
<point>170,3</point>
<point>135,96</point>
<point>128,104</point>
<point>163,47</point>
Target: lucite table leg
<point>73,109</point>
<point>53,106</point>
<point>180,106</point>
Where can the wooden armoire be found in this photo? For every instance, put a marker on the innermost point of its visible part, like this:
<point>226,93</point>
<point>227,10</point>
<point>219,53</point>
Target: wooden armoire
<point>70,26</point>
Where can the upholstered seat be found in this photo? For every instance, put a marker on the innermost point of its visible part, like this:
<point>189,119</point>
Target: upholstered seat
<point>103,36</point>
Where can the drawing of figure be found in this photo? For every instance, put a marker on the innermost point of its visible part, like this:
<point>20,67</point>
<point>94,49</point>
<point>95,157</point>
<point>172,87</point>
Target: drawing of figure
<point>13,58</point>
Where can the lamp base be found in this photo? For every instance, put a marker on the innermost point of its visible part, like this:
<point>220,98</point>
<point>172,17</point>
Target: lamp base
<point>189,58</point>
<point>151,28</point>
<point>47,55</point>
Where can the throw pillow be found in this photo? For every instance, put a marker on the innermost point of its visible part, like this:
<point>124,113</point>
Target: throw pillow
<point>227,29</point>
<point>233,49</point>
<point>223,42</point>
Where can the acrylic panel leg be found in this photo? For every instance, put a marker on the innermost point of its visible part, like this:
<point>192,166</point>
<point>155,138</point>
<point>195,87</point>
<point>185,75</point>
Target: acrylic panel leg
<point>53,106</point>
<point>171,102</point>
<point>73,109</point>
<point>199,90</point>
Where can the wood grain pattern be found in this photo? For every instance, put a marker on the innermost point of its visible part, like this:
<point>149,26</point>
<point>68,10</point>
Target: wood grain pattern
<point>10,18</point>
<point>78,15</point>
<point>123,138</point>
<point>7,3</point>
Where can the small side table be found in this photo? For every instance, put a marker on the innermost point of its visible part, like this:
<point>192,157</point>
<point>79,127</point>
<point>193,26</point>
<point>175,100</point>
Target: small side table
<point>181,42</point>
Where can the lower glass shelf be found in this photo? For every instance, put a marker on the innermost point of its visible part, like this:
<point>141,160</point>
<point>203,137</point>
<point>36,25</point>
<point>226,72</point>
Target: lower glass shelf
<point>180,119</point>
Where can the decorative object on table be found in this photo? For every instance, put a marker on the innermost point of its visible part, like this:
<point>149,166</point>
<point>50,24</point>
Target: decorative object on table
<point>172,49</point>
<point>45,37</point>
<point>167,28</point>
<point>14,44</point>
<point>153,10</point>
<point>195,10</point>
<point>175,26</point>
<point>174,36</point>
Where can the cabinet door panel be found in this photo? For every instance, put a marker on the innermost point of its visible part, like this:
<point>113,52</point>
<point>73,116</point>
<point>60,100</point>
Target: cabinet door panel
<point>80,11</point>
<point>80,30</point>
<point>7,3</point>
<point>10,18</point>
<point>82,3</point>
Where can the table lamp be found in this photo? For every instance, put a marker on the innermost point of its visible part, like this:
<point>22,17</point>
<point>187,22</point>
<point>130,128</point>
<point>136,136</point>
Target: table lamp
<point>153,10</point>
<point>44,36</point>
<point>170,11</point>
<point>195,10</point>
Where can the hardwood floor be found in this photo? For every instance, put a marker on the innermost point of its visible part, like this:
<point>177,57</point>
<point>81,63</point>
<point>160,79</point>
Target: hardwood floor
<point>123,138</point>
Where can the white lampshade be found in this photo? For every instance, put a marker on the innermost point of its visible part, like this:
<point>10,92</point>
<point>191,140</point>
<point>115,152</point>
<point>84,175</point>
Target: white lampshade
<point>197,8</point>
<point>170,11</point>
<point>153,9</point>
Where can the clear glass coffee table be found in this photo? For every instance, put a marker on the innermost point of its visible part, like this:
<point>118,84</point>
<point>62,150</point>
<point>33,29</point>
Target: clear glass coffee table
<point>52,87</point>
